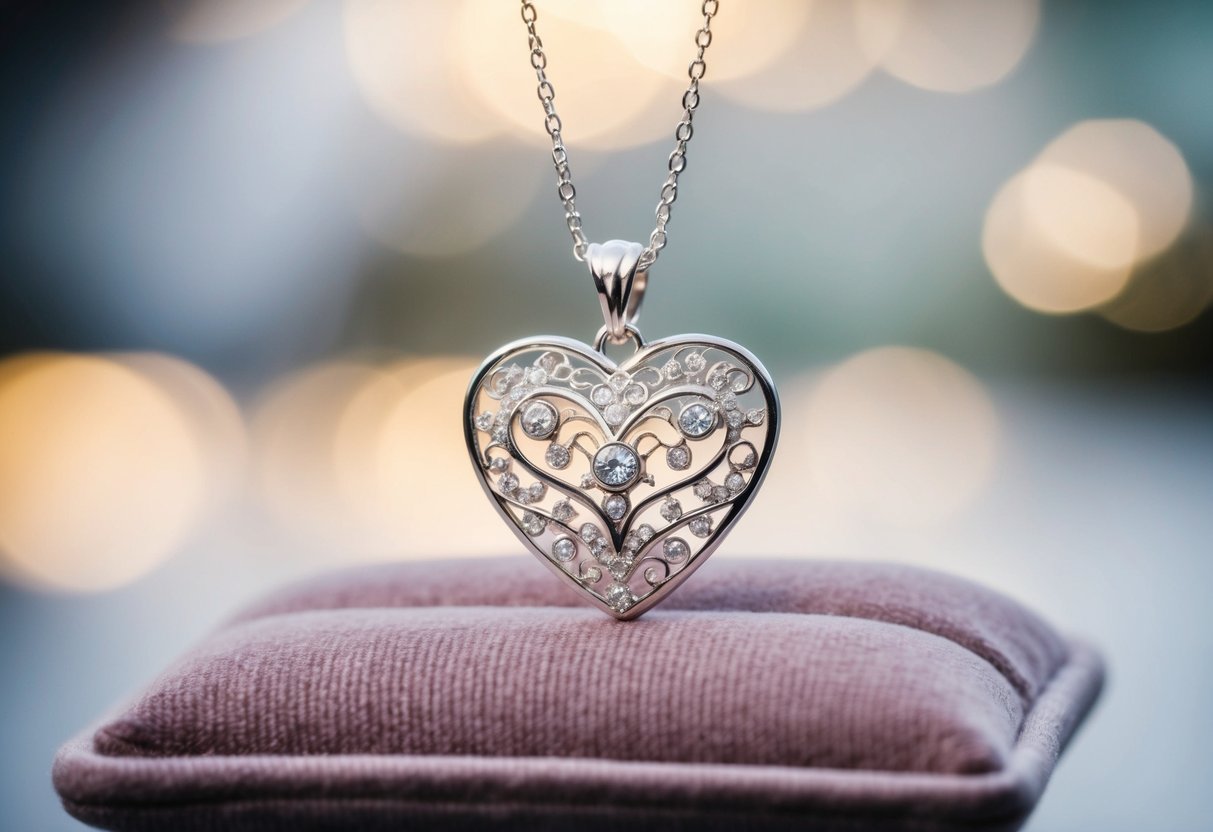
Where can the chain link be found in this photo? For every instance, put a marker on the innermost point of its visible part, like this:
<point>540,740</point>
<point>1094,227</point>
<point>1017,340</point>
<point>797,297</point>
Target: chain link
<point>560,155</point>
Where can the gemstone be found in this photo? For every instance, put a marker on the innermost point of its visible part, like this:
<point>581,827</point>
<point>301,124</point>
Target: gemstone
<point>499,465</point>
<point>734,418</point>
<point>539,420</point>
<point>619,597</point>
<point>533,524</point>
<point>599,547</point>
<point>557,455</point>
<point>696,420</point>
<point>720,494</point>
<point>602,395</point>
<point>564,549</point>
<point>635,394</point>
<point>563,511</point>
<point>615,506</point>
<point>672,370</point>
<point>734,482</point>
<point>701,526</point>
<point>548,361</point>
<point>618,381</point>
<point>587,481</point>
<point>537,376</point>
<point>695,362</point>
<point>653,576</point>
<point>485,420</point>
<point>678,457</point>
<point>717,379</point>
<point>524,496</point>
<point>741,383</point>
<point>592,575</point>
<point>749,462</point>
<point>508,483</point>
<point>632,543</point>
<point>537,490</point>
<point>616,465</point>
<point>729,400</point>
<point>620,568</point>
<point>676,550</point>
<point>703,489</point>
<point>589,532</point>
<point>645,533</point>
<point>755,417</point>
<point>517,393</point>
<point>615,414</point>
<point>500,434</point>
<point>671,509</point>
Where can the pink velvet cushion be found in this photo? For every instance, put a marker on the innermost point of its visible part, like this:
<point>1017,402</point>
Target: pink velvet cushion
<point>455,691</point>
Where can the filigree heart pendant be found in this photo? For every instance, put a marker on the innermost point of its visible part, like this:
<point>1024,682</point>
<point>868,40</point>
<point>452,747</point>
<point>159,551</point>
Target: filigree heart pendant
<point>622,478</point>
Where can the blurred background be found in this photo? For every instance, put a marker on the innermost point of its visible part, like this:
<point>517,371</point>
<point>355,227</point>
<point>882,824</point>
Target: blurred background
<point>252,251</point>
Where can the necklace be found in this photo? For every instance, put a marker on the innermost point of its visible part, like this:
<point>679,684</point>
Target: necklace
<point>621,477</point>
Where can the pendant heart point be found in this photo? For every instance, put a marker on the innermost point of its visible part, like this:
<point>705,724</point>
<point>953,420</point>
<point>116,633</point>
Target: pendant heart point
<point>621,478</point>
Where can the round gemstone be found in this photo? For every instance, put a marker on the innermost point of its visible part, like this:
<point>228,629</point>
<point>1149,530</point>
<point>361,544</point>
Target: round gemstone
<point>499,465</point>
<point>696,420</point>
<point>564,549</point>
<point>615,506</point>
<point>539,420</point>
<point>592,575</point>
<point>537,376</point>
<point>701,526</point>
<point>615,414</point>
<point>563,511</point>
<point>537,490</point>
<point>635,394</point>
<point>678,457</point>
<point>755,417</point>
<point>645,533</point>
<point>508,483</point>
<point>703,489</point>
<point>533,524</point>
<point>557,455</point>
<point>734,482</point>
<point>671,509</point>
<point>620,568</point>
<point>616,465</point>
<point>589,532</point>
<point>484,421</point>
<point>602,395</point>
<point>720,494</point>
<point>729,400</point>
<point>672,370</point>
<point>695,362</point>
<point>619,597</point>
<point>676,550</point>
<point>618,381</point>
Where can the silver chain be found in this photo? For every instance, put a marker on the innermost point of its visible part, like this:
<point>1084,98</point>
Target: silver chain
<point>560,154</point>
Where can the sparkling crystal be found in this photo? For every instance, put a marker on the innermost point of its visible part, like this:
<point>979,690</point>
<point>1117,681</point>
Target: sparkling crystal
<point>703,489</point>
<point>589,532</point>
<point>615,506</point>
<point>696,420</point>
<point>672,370</point>
<point>645,533</point>
<point>729,400</point>
<point>537,490</point>
<point>524,497</point>
<point>695,362</point>
<point>599,547</point>
<point>537,376</point>
<point>500,434</point>
<point>592,575</point>
<point>678,457</point>
<point>632,543</point>
<point>676,549</point>
<point>635,394</point>
<point>701,526</point>
<point>499,464</point>
<point>717,379</point>
<point>618,381</point>
<point>615,414</point>
<point>749,462</point>
<point>602,395</point>
<point>484,421</point>
<point>557,455</point>
<point>563,511</point>
<point>533,524</point>
<point>755,416</point>
<point>734,482</point>
<point>740,383</point>
<point>616,465</point>
<point>620,568</point>
<point>619,597</point>
<point>734,418</point>
<point>720,494</point>
<point>507,483</point>
<point>564,549</point>
<point>517,393</point>
<point>548,361</point>
<point>653,576</point>
<point>539,420</point>
<point>671,509</point>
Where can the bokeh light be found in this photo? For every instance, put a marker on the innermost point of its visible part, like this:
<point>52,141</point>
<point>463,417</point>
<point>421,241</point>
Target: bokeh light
<point>897,435</point>
<point>1064,234</point>
<point>947,45</point>
<point>1168,291</point>
<point>824,63</point>
<point>102,474</point>
<point>217,21</point>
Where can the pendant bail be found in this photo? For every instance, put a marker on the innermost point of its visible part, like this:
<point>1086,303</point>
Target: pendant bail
<point>619,283</point>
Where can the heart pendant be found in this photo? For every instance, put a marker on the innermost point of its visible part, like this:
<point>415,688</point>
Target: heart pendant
<point>621,478</point>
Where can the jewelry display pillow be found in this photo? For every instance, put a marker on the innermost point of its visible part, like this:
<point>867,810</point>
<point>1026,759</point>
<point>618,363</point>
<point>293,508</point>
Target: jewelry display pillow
<point>479,694</point>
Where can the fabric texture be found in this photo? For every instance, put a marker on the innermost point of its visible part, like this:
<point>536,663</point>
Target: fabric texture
<point>476,694</point>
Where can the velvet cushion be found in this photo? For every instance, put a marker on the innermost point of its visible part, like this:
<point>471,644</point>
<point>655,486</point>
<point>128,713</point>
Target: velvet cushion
<point>459,694</point>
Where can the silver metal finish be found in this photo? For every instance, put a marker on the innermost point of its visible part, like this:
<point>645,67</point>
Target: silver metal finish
<point>622,538</point>
<point>676,163</point>
<point>620,285</point>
